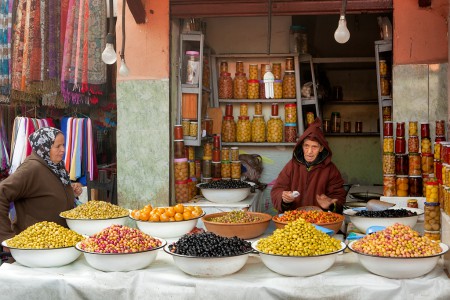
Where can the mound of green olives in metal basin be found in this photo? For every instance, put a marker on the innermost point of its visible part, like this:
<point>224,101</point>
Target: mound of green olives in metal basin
<point>45,235</point>
<point>298,238</point>
<point>95,210</point>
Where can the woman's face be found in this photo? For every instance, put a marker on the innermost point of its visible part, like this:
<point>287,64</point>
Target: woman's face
<point>57,150</point>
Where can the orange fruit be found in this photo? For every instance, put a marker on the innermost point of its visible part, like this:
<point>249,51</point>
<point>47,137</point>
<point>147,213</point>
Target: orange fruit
<point>160,210</point>
<point>178,217</point>
<point>187,215</point>
<point>137,214</point>
<point>163,218</point>
<point>179,208</point>
<point>154,217</point>
<point>133,213</point>
<point>195,214</point>
<point>188,208</point>
<point>171,219</point>
<point>170,212</point>
<point>144,215</point>
<point>148,207</point>
<point>198,209</point>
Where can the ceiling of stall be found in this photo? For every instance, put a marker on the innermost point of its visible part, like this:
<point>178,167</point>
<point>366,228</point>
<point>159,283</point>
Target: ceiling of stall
<point>213,8</point>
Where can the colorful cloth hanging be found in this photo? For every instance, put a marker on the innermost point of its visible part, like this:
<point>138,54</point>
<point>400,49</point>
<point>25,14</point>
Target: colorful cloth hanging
<point>4,146</point>
<point>83,78</point>
<point>5,49</point>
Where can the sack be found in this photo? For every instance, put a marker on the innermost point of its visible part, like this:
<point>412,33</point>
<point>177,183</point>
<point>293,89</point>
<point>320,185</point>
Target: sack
<point>252,167</point>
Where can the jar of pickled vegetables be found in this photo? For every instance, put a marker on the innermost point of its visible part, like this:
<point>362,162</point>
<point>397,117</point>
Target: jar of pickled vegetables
<point>240,87</point>
<point>388,128</point>
<point>289,85</point>
<point>413,144</point>
<point>207,148</point>
<point>244,129</point>
<point>253,89</point>
<point>223,66</point>
<point>432,218</point>
<point>276,71</point>
<point>401,164</point>
<point>438,170</point>
<point>253,71</point>
<point>182,194</point>
<point>387,113</point>
<point>415,186</point>
<point>425,145</point>
<point>234,154</point>
<point>412,128</point>
<point>432,191</point>
<point>290,113</point>
<point>440,128</point>
<point>225,153</point>
<point>181,168</point>
<point>258,129</point>
<point>445,171</point>
<point>388,144</point>
<point>274,109</point>
<point>289,65</point>
<point>388,163</point>
<point>402,185</point>
<point>239,66</point>
<point>236,169</point>
<point>258,108</point>
<point>385,86</point>
<point>228,129</point>
<point>389,189</point>
<point>415,165</point>
<point>216,169</point>
<point>432,235</point>
<point>225,86</point>
<point>226,169</point>
<point>262,90</point>
<point>278,89</point>
<point>275,130</point>
<point>243,109</point>
<point>400,145</point>
<point>191,164</point>
<point>290,132</point>
<point>412,203</point>
<point>400,130</point>
<point>424,130</point>
<point>427,163</point>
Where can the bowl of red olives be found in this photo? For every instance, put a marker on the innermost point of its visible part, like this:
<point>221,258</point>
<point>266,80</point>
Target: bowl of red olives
<point>226,191</point>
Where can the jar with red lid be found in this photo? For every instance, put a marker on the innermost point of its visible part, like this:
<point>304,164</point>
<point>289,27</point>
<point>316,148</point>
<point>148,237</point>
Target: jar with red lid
<point>389,189</point>
<point>412,203</point>
<point>427,163</point>
<point>389,163</point>
<point>229,109</point>
<point>400,145</point>
<point>415,165</point>
<point>225,86</point>
<point>388,128</point>
<point>400,130</point>
<point>413,144</point>
<point>425,145</point>
<point>440,128</point>
<point>228,129</point>
<point>401,164</point>
<point>402,185</point>
<point>240,86</point>
<point>415,186</point>
<point>438,170</point>
<point>274,109</point>
<point>253,89</point>
<point>216,141</point>
<point>424,130</point>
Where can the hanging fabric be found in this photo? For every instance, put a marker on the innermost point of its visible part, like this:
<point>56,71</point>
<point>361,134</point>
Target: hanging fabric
<point>4,146</point>
<point>5,49</point>
<point>83,78</point>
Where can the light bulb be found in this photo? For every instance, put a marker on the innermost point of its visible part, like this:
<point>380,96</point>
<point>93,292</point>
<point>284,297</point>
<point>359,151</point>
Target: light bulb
<point>123,71</point>
<point>109,56</point>
<point>342,35</point>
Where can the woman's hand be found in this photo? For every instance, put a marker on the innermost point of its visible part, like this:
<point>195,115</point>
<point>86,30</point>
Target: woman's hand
<point>288,197</point>
<point>324,201</point>
<point>77,188</point>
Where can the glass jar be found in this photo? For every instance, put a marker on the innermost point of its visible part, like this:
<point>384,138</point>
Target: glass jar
<point>262,90</point>
<point>290,132</point>
<point>228,129</point>
<point>415,186</point>
<point>207,126</point>
<point>181,169</point>
<point>192,67</point>
<point>412,203</point>
<point>289,85</point>
<point>432,191</point>
<point>389,189</point>
<point>388,144</point>
<point>216,155</point>
<point>191,164</point>
<point>275,130</point>
<point>243,109</point>
<point>347,126</point>
<point>226,169</point>
<point>440,128</point>
<point>383,67</point>
<point>388,163</point>
<point>206,168</point>
<point>198,169</point>
<point>225,86</point>
<point>258,108</point>
<point>178,132</point>
<point>425,145</point>
<point>239,66</point>
<point>438,170</point>
<point>388,128</point>
<point>387,113</point>
<point>326,125</point>
<point>178,146</point>
<point>258,129</point>
<point>216,169</point>
<point>216,141</point>
<point>444,174</point>
<point>223,66</point>
<point>240,87</point>
<point>290,113</point>
<point>401,185</point>
<point>427,163</point>
<point>289,64</point>
<point>413,144</point>
<point>424,130</point>
<point>236,169</point>
<point>336,124</point>
<point>193,129</point>
<point>385,86</point>
<point>400,130</point>
<point>186,124</point>
<point>432,235</point>
<point>412,128</point>
<point>207,149</point>
<point>193,187</point>
<point>401,164</point>
<point>225,153</point>
<point>276,71</point>
<point>415,165</point>
<point>298,39</point>
<point>437,150</point>
<point>274,109</point>
<point>182,191</point>
<point>309,118</point>
<point>432,218</point>
<point>253,71</point>
<point>234,154</point>
<point>264,69</point>
<point>278,89</point>
<point>253,89</point>
<point>229,109</point>
<point>400,145</point>
<point>244,129</point>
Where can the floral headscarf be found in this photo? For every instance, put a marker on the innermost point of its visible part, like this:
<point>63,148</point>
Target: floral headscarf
<point>41,141</point>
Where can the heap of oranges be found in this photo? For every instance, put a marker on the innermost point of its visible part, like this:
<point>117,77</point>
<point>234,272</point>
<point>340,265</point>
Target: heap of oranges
<point>175,213</point>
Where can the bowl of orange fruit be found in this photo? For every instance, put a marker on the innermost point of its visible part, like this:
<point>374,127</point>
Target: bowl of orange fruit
<point>167,222</point>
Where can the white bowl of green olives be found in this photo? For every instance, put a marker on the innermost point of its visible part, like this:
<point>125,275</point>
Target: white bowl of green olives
<point>298,265</point>
<point>226,191</point>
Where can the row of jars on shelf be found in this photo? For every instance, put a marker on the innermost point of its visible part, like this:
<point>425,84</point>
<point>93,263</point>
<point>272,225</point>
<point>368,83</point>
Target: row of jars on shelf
<point>413,164</point>
<point>290,110</point>
<point>413,130</point>
<point>404,185</point>
<point>253,68</point>
<point>399,145</point>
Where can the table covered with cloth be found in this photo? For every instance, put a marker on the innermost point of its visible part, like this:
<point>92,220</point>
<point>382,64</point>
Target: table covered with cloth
<point>346,279</point>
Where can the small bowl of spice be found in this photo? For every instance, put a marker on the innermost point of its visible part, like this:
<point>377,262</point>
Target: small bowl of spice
<point>243,224</point>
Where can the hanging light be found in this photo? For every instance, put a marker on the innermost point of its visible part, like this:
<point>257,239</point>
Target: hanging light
<point>123,71</point>
<point>109,55</point>
<point>342,35</point>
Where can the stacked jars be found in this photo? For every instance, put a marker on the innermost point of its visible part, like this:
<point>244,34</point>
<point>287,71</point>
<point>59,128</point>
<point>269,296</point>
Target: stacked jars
<point>389,161</point>
<point>415,164</point>
<point>181,166</point>
<point>290,126</point>
<point>275,126</point>
<point>228,125</point>
<point>385,82</point>
<point>432,221</point>
<point>401,161</point>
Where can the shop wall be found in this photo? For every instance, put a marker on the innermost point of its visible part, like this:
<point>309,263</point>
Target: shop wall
<point>143,141</point>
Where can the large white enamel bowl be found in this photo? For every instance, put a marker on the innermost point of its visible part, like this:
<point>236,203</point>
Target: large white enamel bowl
<point>399,267</point>
<point>362,223</point>
<point>92,226</point>
<point>167,229</point>
<point>121,262</point>
<point>43,258</point>
<point>225,195</point>
<point>209,266</point>
<point>298,265</point>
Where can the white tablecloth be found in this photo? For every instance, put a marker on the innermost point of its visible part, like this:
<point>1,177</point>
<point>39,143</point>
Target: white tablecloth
<point>346,279</point>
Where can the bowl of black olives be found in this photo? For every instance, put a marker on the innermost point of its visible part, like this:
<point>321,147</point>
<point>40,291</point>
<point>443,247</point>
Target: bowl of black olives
<point>226,191</point>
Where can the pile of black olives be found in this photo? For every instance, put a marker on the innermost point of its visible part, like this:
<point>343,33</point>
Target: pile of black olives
<point>225,184</point>
<point>208,244</point>
<point>388,213</point>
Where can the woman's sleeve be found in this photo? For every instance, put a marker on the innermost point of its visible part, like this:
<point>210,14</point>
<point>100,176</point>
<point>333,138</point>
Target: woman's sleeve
<point>282,183</point>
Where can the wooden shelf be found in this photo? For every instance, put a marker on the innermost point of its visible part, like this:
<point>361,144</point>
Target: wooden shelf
<point>353,134</point>
<point>350,102</point>
<point>258,144</point>
<point>334,60</point>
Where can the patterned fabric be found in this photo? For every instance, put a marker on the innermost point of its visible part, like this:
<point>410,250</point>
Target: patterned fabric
<point>41,141</point>
<point>5,48</point>
<point>83,78</point>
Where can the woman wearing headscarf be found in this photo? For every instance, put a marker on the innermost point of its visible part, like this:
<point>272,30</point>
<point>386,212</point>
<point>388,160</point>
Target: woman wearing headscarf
<point>40,188</point>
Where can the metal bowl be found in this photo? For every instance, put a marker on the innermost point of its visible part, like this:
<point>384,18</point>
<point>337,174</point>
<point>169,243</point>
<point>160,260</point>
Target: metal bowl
<point>225,195</point>
<point>167,229</point>
<point>92,226</point>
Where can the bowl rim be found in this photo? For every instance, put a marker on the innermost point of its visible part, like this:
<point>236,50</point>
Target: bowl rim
<point>351,213</point>
<point>444,248</point>
<point>343,247</point>
<point>266,218</point>
<point>252,184</point>
<point>341,219</point>
<point>165,222</point>
<point>72,219</point>
<point>163,241</point>
<point>166,249</point>
<point>5,244</point>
